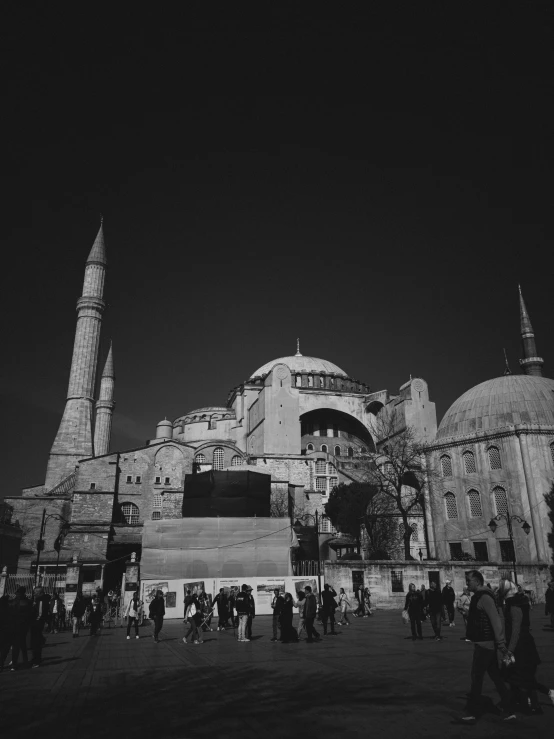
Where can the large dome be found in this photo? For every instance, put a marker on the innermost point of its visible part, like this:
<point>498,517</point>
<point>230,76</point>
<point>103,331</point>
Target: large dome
<point>299,363</point>
<point>504,401</point>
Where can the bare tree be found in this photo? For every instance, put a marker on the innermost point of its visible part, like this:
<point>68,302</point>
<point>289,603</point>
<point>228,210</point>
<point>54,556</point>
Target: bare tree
<point>381,527</point>
<point>281,505</point>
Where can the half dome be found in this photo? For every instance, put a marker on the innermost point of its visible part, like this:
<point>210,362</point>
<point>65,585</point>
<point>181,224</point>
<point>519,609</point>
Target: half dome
<point>495,404</point>
<point>300,363</point>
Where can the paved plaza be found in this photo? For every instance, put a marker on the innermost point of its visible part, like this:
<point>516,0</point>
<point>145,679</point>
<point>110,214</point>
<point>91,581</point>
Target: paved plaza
<point>369,681</point>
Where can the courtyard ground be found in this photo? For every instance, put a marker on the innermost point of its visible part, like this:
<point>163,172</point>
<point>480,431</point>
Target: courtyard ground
<point>369,681</point>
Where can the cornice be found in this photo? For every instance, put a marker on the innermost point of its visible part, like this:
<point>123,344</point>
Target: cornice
<point>517,430</point>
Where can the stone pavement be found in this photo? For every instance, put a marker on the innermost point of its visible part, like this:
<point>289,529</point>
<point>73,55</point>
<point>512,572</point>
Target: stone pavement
<point>369,681</point>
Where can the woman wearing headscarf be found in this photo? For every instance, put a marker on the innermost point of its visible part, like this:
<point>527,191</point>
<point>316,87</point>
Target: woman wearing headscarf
<point>301,604</point>
<point>288,632</point>
<point>520,674</point>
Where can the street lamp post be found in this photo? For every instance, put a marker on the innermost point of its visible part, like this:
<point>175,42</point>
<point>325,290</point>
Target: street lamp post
<point>508,518</point>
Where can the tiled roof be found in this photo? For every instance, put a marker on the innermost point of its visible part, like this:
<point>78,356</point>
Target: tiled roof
<point>504,401</point>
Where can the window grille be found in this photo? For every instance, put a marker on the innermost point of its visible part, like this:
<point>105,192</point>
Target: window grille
<point>310,381</point>
<point>451,507</point>
<point>446,466</point>
<point>332,469</point>
<point>415,529</point>
<point>158,481</point>
<point>129,478</point>
<point>130,512</point>
<point>480,550</point>
<point>500,500</point>
<point>321,484</point>
<point>552,451</point>
<point>475,504</point>
<point>219,458</point>
<point>396,577</point>
<point>236,461</point>
<point>200,459</point>
<point>138,479</point>
<point>469,462</point>
<point>494,458</point>
<point>324,448</point>
<point>321,467</point>
<point>157,500</point>
<point>309,447</point>
<point>333,482</point>
<point>156,515</point>
<point>337,451</point>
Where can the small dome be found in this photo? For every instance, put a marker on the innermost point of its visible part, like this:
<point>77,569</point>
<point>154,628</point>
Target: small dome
<point>165,422</point>
<point>504,401</point>
<point>299,363</point>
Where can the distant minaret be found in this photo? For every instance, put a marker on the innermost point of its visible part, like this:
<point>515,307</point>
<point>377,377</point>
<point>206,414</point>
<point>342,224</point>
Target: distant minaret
<point>74,438</point>
<point>531,363</point>
<point>104,408</point>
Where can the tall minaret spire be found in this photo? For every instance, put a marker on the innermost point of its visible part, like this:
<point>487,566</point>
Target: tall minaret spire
<point>104,408</point>
<point>74,438</point>
<point>531,362</point>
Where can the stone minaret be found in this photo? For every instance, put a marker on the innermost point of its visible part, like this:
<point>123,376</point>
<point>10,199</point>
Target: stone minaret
<point>104,408</point>
<point>531,363</point>
<point>74,438</point>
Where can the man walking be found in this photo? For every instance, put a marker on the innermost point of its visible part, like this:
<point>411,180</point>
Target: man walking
<point>433,603</point>
<point>328,608</point>
<point>156,612</point>
<point>549,601</point>
<point>277,606</point>
<point>251,613</point>
<point>310,612</point>
<point>448,600</point>
<point>485,630</point>
<point>222,609</point>
<point>242,604</point>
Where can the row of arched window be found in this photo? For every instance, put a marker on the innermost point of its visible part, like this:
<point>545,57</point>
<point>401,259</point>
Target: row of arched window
<point>474,503</point>
<point>337,451</point>
<point>218,459</point>
<point>468,459</point>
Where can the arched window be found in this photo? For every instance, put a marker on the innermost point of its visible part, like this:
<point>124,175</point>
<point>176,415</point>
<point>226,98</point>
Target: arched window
<point>130,512</point>
<point>500,500</point>
<point>219,458</point>
<point>475,507</point>
<point>337,451</point>
<point>469,462</point>
<point>350,451</point>
<point>156,515</point>
<point>494,458</point>
<point>446,466</point>
<point>309,447</point>
<point>415,535</point>
<point>451,507</point>
<point>310,380</point>
<point>552,451</point>
<point>236,461</point>
<point>324,447</point>
<point>200,459</point>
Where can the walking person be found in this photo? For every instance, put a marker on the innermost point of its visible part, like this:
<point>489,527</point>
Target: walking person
<point>231,607</point>
<point>358,596</point>
<point>414,606</point>
<point>39,616</point>
<point>423,592</point>
<point>343,606</point>
<point>463,605</point>
<point>133,613</point>
<point>18,622</point>
<point>549,602</point>
<point>251,612</point>
<point>94,615</point>
<point>485,630</point>
<point>329,605</point>
<point>310,612</point>
<point>77,613</point>
<point>521,674</point>
<point>222,609</point>
<point>242,603</point>
<point>276,605</point>
<point>156,611</point>
<point>448,600</point>
<point>55,613</point>
<point>288,632</point>
<point>301,605</point>
<point>367,603</point>
<point>433,604</point>
<point>192,608</point>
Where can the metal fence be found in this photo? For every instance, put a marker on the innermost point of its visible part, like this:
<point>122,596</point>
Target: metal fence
<point>50,583</point>
<point>305,567</point>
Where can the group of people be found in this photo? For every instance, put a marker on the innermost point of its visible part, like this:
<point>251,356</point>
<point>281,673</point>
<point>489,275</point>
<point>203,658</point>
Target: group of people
<point>432,603</point>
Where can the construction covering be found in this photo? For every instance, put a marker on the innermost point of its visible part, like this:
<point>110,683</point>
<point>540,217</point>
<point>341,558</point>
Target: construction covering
<point>217,547</point>
<point>230,493</point>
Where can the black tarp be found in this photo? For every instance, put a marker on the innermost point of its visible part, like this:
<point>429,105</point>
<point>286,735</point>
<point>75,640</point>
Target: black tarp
<point>230,494</point>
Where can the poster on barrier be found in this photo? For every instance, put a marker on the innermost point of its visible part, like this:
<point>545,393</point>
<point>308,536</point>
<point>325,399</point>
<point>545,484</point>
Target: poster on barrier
<point>265,588</point>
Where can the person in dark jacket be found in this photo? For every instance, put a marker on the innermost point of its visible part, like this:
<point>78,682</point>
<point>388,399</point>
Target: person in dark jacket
<point>521,674</point>
<point>40,611</point>
<point>77,613</point>
<point>329,605</point>
<point>242,602</point>
<point>414,606</point>
<point>433,604</point>
<point>288,632</point>
<point>222,609</point>
<point>276,605</point>
<point>94,615</point>
<point>18,623</point>
<point>231,606</point>
<point>448,601</point>
<point>5,630</point>
<point>549,603</point>
<point>192,610</point>
<point>310,612</point>
<point>251,613</point>
<point>156,611</point>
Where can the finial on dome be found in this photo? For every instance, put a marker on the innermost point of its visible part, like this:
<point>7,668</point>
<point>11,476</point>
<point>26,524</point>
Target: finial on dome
<point>507,370</point>
<point>298,348</point>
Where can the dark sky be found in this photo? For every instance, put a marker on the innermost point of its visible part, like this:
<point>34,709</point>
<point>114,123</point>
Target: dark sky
<point>375,184</point>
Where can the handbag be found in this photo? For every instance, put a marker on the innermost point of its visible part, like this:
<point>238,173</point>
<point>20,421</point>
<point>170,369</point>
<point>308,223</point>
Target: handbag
<point>405,617</point>
<point>191,611</point>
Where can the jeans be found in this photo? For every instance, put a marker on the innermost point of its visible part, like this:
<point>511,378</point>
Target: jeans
<point>436,622</point>
<point>76,623</point>
<point>158,623</point>
<point>249,627</point>
<point>484,660</point>
<point>132,620</point>
<point>243,620</point>
<point>193,629</point>
<point>415,623</point>
<point>276,626</point>
<point>450,611</point>
<point>328,615</point>
<point>310,630</point>
<point>344,617</point>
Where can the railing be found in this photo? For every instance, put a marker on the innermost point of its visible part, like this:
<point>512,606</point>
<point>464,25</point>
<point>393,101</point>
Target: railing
<point>305,568</point>
<point>50,583</point>
<point>65,486</point>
